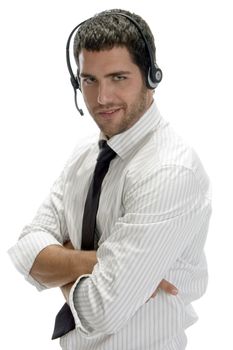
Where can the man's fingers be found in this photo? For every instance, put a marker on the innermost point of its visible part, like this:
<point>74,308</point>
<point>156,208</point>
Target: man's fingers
<point>155,293</point>
<point>68,245</point>
<point>168,287</point>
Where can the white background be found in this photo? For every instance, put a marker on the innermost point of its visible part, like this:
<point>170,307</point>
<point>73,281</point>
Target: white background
<point>40,127</point>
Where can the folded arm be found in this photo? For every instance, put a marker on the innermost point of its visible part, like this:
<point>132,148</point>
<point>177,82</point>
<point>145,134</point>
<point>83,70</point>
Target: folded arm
<point>164,285</point>
<point>56,266</point>
<point>40,254</point>
<point>163,215</point>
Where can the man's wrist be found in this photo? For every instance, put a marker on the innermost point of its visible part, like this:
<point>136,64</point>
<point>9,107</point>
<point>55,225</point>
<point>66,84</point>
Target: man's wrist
<point>66,290</point>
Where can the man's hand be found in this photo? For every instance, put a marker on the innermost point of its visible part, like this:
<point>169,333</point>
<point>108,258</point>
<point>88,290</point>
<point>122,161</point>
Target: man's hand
<point>68,245</point>
<point>166,287</point>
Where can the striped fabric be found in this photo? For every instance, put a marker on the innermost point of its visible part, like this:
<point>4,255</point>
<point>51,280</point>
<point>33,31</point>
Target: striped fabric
<point>152,224</point>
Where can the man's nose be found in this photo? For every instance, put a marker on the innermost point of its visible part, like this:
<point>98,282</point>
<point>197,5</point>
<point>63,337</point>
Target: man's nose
<point>105,93</point>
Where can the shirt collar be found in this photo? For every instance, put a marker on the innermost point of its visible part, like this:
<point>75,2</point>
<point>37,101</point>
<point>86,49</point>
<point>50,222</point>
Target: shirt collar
<point>126,141</point>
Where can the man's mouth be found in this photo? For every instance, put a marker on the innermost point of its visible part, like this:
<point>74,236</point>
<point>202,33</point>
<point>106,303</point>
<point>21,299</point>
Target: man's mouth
<point>108,112</point>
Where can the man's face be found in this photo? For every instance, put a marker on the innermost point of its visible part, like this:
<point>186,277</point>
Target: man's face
<point>113,89</point>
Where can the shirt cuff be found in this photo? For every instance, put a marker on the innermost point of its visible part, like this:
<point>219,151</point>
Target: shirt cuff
<point>73,302</point>
<point>24,252</point>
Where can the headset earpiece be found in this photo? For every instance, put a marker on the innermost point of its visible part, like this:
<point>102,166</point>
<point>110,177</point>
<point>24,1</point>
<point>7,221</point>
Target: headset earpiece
<point>154,77</point>
<point>75,82</point>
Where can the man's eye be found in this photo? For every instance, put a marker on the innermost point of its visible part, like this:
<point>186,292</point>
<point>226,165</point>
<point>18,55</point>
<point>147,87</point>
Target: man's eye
<point>89,80</point>
<point>119,77</point>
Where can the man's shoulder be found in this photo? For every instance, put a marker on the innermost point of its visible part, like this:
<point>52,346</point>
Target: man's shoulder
<point>164,147</point>
<point>81,151</point>
<point>166,150</point>
<point>83,147</point>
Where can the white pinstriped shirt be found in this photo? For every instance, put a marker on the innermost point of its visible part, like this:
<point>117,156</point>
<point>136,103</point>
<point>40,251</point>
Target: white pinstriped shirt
<point>152,224</point>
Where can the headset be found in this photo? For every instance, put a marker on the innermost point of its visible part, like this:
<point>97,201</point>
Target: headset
<point>154,76</point>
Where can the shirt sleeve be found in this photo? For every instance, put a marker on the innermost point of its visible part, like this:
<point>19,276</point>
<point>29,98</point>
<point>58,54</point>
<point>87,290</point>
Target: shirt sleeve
<point>164,212</point>
<point>48,227</point>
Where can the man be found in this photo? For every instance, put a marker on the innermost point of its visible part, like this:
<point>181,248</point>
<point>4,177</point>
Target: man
<point>153,212</point>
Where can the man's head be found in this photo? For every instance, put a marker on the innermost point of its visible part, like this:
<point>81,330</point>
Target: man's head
<point>113,64</point>
<point>108,29</point>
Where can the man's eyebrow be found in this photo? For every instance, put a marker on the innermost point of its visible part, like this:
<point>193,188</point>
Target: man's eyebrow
<point>121,72</point>
<point>113,74</point>
<point>85,75</point>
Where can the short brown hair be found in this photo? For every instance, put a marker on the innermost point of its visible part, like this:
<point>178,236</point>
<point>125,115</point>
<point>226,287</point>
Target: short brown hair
<point>108,29</point>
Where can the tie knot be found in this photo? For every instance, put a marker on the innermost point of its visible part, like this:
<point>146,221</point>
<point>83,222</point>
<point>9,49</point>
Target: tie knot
<point>106,153</point>
<point>102,144</point>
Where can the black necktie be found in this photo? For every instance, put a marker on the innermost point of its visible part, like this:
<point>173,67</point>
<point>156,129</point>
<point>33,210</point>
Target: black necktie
<point>64,322</point>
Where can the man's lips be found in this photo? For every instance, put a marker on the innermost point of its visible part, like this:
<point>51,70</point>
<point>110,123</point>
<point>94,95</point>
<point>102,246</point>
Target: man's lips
<point>108,112</point>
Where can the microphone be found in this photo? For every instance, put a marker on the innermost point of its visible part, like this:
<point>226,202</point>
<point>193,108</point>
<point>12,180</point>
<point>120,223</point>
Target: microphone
<point>76,103</point>
<point>75,85</point>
